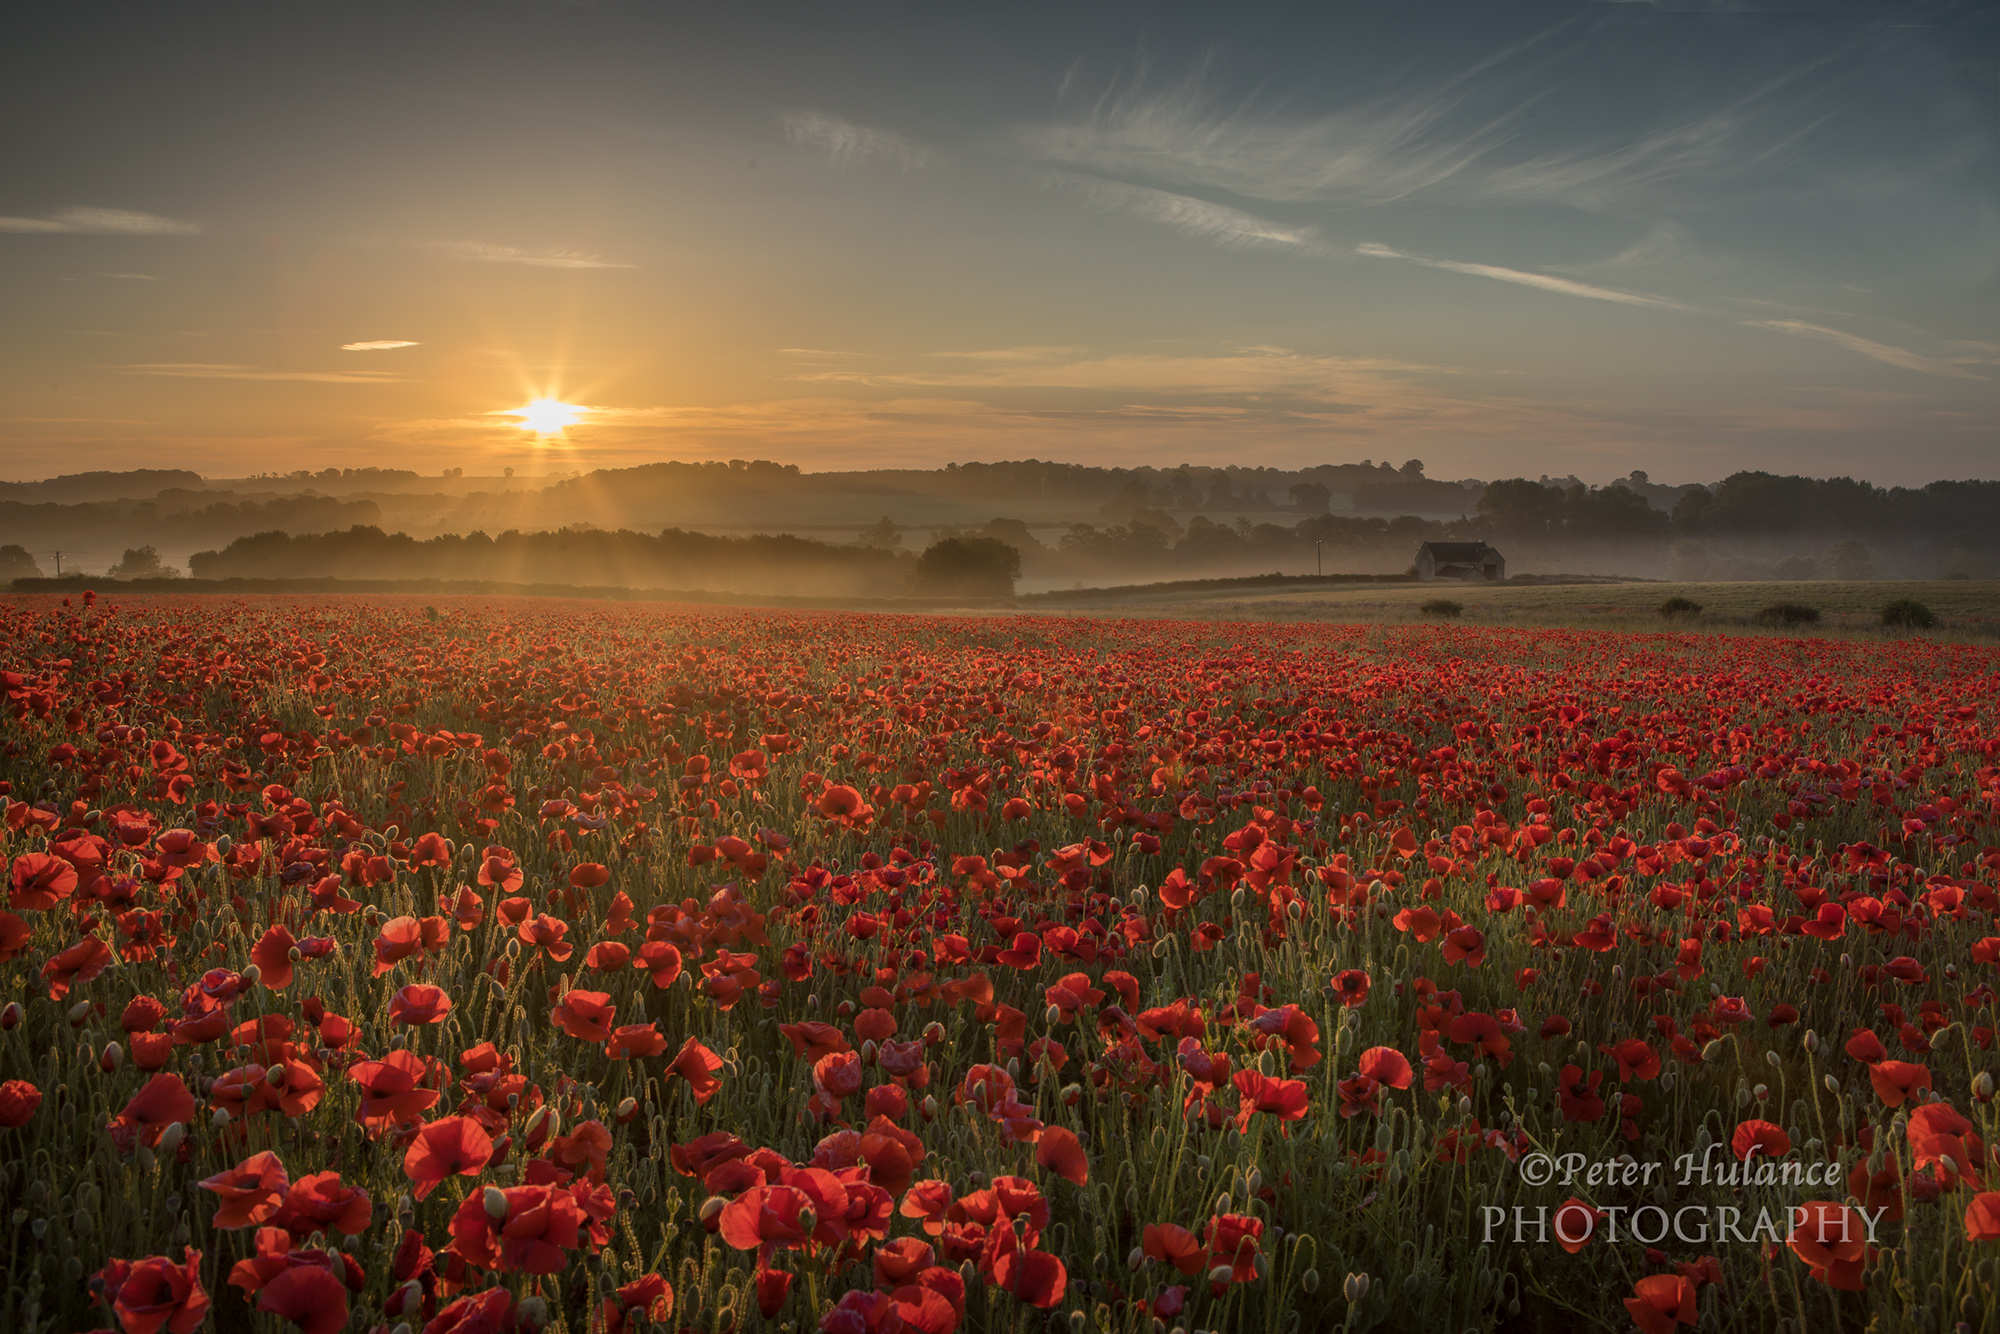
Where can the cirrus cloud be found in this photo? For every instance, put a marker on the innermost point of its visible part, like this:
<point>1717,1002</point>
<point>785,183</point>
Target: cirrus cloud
<point>87,221</point>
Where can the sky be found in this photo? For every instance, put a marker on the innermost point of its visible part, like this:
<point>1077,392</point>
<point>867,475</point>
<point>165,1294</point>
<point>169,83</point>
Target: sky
<point>1506,239</point>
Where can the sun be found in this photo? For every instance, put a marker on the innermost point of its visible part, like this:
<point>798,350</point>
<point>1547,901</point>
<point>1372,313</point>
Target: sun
<point>548,416</point>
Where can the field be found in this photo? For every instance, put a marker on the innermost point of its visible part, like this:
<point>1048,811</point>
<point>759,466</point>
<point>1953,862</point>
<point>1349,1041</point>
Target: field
<point>462,965</point>
<point>1967,609</point>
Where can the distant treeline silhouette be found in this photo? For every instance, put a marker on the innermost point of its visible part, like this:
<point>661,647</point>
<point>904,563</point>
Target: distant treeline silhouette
<point>674,558</point>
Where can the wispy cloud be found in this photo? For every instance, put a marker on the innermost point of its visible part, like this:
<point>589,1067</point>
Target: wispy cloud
<point>1198,219</point>
<point>135,277</point>
<point>1524,278</point>
<point>213,370</point>
<point>84,220</point>
<point>1239,371</point>
<point>1868,347</point>
<point>377,345</point>
<point>1478,137</point>
<point>554,257</point>
<point>851,145</point>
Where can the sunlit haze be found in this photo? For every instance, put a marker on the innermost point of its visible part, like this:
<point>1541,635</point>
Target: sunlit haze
<point>1506,239</point>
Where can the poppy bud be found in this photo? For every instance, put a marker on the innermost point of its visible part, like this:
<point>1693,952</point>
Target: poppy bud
<point>532,1314</point>
<point>113,1057</point>
<point>933,1033</point>
<point>868,1050</point>
<point>1220,1275</point>
<point>929,1107</point>
<point>808,1218</point>
<point>1053,1016</point>
<point>1253,1181</point>
<point>1310,1281</point>
<point>712,1206</point>
<point>627,1109</point>
<point>1982,1086</point>
<point>1771,1059</point>
<point>170,1138</point>
<point>275,1076</point>
<point>1223,1204</point>
<point>496,1203</point>
<point>1136,1258</point>
<point>146,1158</point>
<point>1712,1049</point>
<point>220,1119</point>
<point>78,1013</point>
<point>294,954</point>
<point>251,975</point>
<point>10,1018</point>
<point>1810,1041</point>
<point>1355,1287</point>
<point>224,844</point>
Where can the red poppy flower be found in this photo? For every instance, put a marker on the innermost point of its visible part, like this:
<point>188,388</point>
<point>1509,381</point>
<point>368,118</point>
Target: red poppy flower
<point>1232,1242</point>
<point>1176,1246</point>
<point>1832,1240</point>
<point>391,1089</point>
<point>449,1146</point>
<point>697,1065</point>
<point>322,1202</point>
<point>1575,1222</point>
<point>81,962</point>
<point>162,1102</point>
<point>1760,1137</point>
<point>526,1228</point>
<point>1661,1301</point>
<point>419,1003</point>
<point>18,1101</point>
<point>273,956</point>
<point>585,1015</point>
<point>39,881</point>
<point>1061,1152</point>
<point>1577,1093</point>
<point>634,1041</point>
<point>766,1219</point>
<point>1982,1217</point>
<point>156,1294</point>
<point>1896,1081</point>
<point>250,1192</point>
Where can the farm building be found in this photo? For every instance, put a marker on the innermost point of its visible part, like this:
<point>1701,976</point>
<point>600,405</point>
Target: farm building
<point>1468,562</point>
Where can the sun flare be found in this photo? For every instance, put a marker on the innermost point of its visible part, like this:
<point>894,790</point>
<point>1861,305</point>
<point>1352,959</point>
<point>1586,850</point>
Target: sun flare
<point>548,416</point>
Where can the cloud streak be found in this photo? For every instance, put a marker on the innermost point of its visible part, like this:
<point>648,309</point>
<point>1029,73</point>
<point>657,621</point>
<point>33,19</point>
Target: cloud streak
<point>1197,219</point>
<point>213,370</point>
<point>377,345</point>
<point>1523,278</point>
<point>554,257</point>
<point>847,144</point>
<point>1868,347</point>
<point>86,221</point>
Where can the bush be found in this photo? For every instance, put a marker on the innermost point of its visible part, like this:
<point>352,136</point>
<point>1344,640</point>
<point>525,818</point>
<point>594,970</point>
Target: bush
<point>1787,613</point>
<point>1908,614</point>
<point>1444,607</point>
<point>1680,607</point>
<point>967,567</point>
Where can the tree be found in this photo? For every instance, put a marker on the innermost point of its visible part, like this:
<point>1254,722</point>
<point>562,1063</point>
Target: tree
<point>1310,497</point>
<point>1691,511</point>
<point>1521,508</point>
<point>967,567</point>
<point>1412,470</point>
<point>883,535</point>
<point>1850,560</point>
<point>142,563</point>
<point>16,563</point>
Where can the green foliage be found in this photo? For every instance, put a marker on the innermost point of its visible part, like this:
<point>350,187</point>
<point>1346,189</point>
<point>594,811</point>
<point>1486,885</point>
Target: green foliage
<point>1680,606</point>
<point>967,567</point>
<point>1444,607</point>
<point>17,563</point>
<point>1787,613</point>
<point>1908,614</point>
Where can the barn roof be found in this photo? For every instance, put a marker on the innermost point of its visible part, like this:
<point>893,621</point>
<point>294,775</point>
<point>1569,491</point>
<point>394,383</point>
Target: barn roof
<point>1457,552</point>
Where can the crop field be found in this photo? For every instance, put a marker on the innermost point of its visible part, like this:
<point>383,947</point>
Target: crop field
<point>503,965</point>
<point>1966,609</point>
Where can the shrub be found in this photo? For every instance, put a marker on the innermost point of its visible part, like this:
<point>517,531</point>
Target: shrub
<point>1678,606</point>
<point>1444,607</point>
<point>1908,614</point>
<point>1787,613</point>
<point>967,566</point>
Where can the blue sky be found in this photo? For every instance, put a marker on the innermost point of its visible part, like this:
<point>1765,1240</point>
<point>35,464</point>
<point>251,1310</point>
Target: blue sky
<point>1506,239</point>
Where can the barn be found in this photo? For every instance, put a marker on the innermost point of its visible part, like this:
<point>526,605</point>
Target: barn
<point>1466,562</point>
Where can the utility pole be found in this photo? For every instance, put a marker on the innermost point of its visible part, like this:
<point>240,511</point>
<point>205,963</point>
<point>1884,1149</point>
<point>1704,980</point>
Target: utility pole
<point>59,565</point>
<point>1319,568</point>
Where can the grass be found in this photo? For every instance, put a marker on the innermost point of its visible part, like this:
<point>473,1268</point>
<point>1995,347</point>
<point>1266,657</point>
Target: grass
<point>1966,609</point>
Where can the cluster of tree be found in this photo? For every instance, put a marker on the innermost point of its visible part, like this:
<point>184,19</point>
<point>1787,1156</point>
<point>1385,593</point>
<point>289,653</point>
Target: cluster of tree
<point>174,522</point>
<point>79,487</point>
<point>671,559</point>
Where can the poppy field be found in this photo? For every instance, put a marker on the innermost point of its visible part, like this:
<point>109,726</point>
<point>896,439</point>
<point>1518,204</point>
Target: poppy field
<point>607,968</point>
